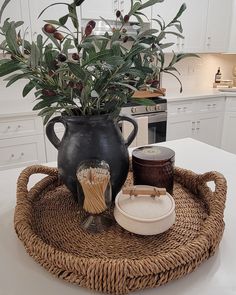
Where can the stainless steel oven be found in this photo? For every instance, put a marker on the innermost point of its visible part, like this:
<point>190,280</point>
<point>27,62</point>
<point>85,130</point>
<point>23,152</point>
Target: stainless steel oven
<point>156,116</point>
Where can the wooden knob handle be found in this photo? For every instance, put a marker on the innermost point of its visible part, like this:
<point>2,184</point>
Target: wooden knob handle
<point>149,191</point>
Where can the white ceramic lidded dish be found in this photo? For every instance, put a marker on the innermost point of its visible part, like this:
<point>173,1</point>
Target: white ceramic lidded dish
<point>144,214</point>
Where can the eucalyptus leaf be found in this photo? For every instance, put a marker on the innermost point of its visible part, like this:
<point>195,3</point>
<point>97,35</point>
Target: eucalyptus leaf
<point>77,70</point>
<point>28,87</point>
<point>9,67</point>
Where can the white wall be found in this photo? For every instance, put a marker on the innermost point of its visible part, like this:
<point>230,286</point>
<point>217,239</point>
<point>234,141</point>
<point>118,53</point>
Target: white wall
<point>199,73</point>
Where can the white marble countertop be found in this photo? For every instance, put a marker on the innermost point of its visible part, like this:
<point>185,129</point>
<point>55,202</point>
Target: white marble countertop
<point>188,94</point>
<point>20,275</point>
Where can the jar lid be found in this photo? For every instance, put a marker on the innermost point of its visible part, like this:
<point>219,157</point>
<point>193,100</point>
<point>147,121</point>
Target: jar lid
<point>153,154</point>
<point>143,207</point>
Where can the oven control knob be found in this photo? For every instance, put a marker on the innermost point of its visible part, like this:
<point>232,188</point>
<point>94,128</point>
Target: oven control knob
<point>157,108</point>
<point>133,110</point>
<point>148,109</point>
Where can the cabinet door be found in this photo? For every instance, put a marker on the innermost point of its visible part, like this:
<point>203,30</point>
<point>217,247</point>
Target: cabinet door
<point>17,11</point>
<point>94,9</point>
<point>179,127</point>
<point>124,7</point>
<point>208,128</point>
<point>218,26</point>
<point>52,13</point>
<point>194,23</point>
<point>229,138</point>
<point>167,10</point>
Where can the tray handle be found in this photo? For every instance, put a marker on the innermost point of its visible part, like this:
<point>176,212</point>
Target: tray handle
<point>24,176</point>
<point>219,194</point>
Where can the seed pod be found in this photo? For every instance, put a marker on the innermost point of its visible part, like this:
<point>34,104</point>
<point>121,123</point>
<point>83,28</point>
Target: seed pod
<point>92,23</point>
<point>58,36</point>
<point>126,18</point>
<point>47,92</point>
<point>50,29</point>
<point>125,39</point>
<point>118,13</point>
<point>75,56</point>
<point>124,30</point>
<point>88,30</point>
<point>61,57</point>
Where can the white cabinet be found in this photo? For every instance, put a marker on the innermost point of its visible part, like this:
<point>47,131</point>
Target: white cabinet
<point>218,25</point>
<point>229,136</point>
<point>52,13</point>
<point>199,119</point>
<point>21,141</point>
<point>91,9</point>
<point>17,11</point>
<point>193,20</point>
<point>206,24</point>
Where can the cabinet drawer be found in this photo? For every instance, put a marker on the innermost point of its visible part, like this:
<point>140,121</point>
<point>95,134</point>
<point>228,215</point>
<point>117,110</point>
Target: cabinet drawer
<point>20,126</point>
<point>182,108</point>
<point>22,151</point>
<point>211,105</point>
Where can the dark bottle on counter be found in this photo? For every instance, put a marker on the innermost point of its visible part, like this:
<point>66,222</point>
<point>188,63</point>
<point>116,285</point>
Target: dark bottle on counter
<point>218,76</point>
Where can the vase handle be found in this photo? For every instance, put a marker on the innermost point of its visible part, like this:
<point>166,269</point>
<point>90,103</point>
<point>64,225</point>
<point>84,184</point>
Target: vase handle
<point>134,132</point>
<point>51,132</point>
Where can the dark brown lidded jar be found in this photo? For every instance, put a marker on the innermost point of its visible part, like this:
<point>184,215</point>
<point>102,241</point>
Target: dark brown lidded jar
<point>154,165</point>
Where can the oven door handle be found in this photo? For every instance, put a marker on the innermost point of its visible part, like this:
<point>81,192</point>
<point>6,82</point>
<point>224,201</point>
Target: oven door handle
<point>158,117</point>
<point>134,132</point>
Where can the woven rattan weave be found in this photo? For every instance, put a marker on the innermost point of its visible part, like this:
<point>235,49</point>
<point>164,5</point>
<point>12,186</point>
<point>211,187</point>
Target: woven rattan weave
<point>116,261</point>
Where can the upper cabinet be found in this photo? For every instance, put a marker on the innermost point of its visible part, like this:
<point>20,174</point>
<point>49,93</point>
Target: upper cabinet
<point>218,25</point>
<point>91,9</point>
<point>52,13</point>
<point>18,11</point>
<point>232,41</point>
<point>193,20</point>
<point>206,24</point>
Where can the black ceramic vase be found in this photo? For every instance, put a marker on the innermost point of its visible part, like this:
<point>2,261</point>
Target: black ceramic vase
<point>91,137</point>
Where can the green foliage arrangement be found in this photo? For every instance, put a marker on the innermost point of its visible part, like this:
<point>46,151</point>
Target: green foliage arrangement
<point>80,73</point>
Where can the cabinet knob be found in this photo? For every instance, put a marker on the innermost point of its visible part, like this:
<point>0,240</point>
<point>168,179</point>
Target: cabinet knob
<point>22,154</point>
<point>19,126</point>
<point>8,127</point>
<point>12,156</point>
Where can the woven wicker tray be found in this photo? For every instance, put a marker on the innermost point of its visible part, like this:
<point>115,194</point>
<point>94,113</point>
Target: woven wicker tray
<point>116,261</point>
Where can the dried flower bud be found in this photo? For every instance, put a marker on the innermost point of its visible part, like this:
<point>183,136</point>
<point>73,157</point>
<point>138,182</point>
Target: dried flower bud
<point>124,30</point>
<point>75,56</point>
<point>50,29</point>
<point>79,86</point>
<point>88,30</point>
<point>155,84</point>
<point>71,84</point>
<point>149,81</point>
<point>153,46</point>
<point>55,64</point>
<point>118,13</point>
<point>47,92</point>
<point>126,18</point>
<point>125,39</point>
<point>26,51</point>
<point>113,30</point>
<point>92,23</point>
<point>61,57</point>
<point>58,36</point>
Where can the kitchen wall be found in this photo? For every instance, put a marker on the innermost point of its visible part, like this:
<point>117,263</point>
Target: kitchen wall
<point>199,73</point>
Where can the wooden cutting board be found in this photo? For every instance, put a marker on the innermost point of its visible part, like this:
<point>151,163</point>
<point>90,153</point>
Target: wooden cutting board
<point>149,94</point>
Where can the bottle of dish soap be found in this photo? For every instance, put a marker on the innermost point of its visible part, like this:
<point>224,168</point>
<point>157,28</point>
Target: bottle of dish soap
<point>218,76</point>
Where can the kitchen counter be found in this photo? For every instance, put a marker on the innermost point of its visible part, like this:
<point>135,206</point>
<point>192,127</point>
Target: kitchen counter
<point>197,94</point>
<point>21,275</point>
